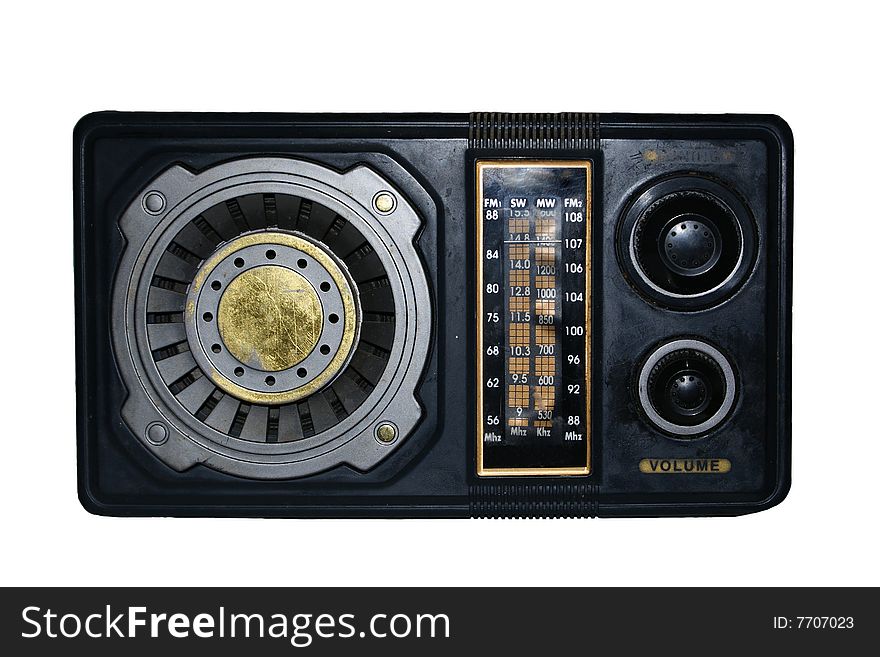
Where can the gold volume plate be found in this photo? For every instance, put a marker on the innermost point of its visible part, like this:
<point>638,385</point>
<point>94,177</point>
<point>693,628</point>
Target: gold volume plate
<point>684,466</point>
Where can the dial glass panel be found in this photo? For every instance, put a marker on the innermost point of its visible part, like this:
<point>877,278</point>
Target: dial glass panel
<point>533,303</point>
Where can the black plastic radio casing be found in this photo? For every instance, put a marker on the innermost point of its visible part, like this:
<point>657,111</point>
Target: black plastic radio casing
<point>434,474</point>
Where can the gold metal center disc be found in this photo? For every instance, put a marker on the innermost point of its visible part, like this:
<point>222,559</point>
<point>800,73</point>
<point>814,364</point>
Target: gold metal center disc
<point>270,318</point>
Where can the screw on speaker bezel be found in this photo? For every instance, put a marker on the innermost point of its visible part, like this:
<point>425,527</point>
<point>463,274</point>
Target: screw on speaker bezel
<point>645,395</point>
<point>733,218</point>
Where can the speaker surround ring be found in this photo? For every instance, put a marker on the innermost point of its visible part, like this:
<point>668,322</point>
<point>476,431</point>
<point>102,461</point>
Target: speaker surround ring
<point>198,432</point>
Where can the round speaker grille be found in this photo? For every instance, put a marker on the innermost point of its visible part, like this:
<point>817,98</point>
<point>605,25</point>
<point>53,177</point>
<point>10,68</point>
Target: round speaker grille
<point>272,319</point>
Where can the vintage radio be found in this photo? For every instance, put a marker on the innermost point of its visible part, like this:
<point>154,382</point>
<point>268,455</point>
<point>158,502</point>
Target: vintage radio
<point>433,314</point>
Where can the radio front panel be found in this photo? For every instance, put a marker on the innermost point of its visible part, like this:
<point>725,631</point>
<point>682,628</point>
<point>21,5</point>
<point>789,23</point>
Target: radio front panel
<point>433,315</point>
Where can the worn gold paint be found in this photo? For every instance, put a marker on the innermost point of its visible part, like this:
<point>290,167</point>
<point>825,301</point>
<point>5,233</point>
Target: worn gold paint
<point>684,466</point>
<point>350,315</point>
<point>270,318</point>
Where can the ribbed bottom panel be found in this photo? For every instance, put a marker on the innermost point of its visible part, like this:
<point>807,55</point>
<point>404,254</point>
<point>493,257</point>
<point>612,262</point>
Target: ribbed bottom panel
<point>533,501</point>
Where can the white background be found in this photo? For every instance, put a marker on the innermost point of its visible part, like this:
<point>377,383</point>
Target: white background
<point>815,64</point>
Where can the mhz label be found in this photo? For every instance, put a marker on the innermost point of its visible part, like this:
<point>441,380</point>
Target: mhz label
<point>533,304</point>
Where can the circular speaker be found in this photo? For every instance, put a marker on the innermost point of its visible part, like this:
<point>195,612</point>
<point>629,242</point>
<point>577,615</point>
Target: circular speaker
<point>686,387</point>
<point>686,242</point>
<point>264,303</point>
<point>269,319</point>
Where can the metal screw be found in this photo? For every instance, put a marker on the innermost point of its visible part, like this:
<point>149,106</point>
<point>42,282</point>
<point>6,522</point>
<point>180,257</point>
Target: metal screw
<point>154,202</point>
<point>157,433</point>
<point>384,203</point>
<point>386,433</point>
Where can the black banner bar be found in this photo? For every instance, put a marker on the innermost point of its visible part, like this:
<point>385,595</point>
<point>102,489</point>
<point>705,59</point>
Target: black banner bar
<point>516,621</point>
